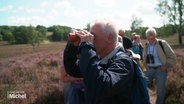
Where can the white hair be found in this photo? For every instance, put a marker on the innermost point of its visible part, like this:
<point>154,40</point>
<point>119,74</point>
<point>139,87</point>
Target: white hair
<point>107,28</point>
<point>121,30</point>
<point>151,31</point>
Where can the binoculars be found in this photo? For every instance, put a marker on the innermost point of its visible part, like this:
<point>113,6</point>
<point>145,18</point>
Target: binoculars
<point>72,37</point>
<point>150,59</point>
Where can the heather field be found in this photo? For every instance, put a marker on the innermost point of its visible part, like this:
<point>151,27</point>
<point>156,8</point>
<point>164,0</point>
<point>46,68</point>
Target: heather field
<point>37,74</point>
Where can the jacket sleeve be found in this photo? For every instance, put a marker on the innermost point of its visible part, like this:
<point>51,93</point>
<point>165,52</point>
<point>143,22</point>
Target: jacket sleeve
<point>104,81</point>
<point>170,55</point>
<point>70,60</point>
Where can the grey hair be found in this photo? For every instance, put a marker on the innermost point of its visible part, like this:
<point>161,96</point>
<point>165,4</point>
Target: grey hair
<point>151,31</point>
<point>107,28</point>
<point>121,30</point>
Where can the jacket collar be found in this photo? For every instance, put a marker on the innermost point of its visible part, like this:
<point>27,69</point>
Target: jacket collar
<point>111,54</point>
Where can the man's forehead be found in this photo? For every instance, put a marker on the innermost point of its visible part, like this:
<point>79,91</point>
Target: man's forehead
<point>96,28</point>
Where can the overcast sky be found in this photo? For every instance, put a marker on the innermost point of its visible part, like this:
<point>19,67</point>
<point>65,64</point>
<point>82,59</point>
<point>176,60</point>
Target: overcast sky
<point>77,13</point>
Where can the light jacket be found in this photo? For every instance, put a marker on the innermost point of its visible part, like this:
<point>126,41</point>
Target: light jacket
<point>167,59</point>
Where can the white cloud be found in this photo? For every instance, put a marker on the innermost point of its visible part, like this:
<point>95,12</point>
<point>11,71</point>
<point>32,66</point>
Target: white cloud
<point>144,8</point>
<point>63,4</point>
<point>33,20</point>
<point>45,4</point>
<point>34,10</point>
<point>146,11</point>
<point>62,8</point>
<point>6,8</point>
<point>76,13</point>
<point>105,3</point>
<point>48,13</point>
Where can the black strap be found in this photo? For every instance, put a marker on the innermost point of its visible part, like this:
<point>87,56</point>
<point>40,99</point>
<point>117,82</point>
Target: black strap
<point>160,43</point>
<point>140,50</point>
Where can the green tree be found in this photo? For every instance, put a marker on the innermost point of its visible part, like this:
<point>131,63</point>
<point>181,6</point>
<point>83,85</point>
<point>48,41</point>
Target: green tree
<point>87,27</point>
<point>1,37</point>
<point>34,39</point>
<point>59,32</point>
<point>42,30</point>
<point>141,31</point>
<point>7,33</point>
<point>173,11</point>
<point>8,36</point>
<point>36,36</point>
<point>135,23</point>
<point>21,34</point>
<point>29,35</point>
<point>166,30</point>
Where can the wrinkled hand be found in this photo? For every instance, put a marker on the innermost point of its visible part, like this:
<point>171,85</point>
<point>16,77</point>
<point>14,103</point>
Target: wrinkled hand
<point>85,36</point>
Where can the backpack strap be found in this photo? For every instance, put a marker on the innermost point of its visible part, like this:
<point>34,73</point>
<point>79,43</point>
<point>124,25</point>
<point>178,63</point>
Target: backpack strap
<point>161,45</point>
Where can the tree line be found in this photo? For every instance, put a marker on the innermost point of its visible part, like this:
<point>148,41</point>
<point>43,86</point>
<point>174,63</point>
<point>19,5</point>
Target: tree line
<point>32,35</point>
<point>35,35</point>
<point>163,31</point>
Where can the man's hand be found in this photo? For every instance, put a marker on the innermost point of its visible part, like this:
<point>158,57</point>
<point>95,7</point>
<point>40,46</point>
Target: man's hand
<point>85,36</point>
<point>164,68</point>
<point>76,43</point>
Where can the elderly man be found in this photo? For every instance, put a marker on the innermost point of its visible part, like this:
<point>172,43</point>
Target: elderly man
<point>127,43</point>
<point>158,57</point>
<point>106,69</point>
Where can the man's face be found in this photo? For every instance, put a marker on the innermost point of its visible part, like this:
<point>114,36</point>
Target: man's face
<point>100,39</point>
<point>121,33</point>
<point>151,38</point>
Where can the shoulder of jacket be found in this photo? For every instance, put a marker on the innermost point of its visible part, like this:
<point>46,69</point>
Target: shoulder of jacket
<point>161,40</point>
<point>121,54</point>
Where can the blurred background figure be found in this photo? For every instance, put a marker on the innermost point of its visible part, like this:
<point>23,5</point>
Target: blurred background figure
<point>73,87</point>
<point>132,36</point>
<point>127,43</point>
<point>137,47</point>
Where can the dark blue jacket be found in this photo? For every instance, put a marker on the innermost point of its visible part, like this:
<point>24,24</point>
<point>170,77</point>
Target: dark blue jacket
<point>105,84</point>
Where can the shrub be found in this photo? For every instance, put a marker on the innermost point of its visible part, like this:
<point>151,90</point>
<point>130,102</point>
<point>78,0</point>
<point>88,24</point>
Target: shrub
<point>175,84</point>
